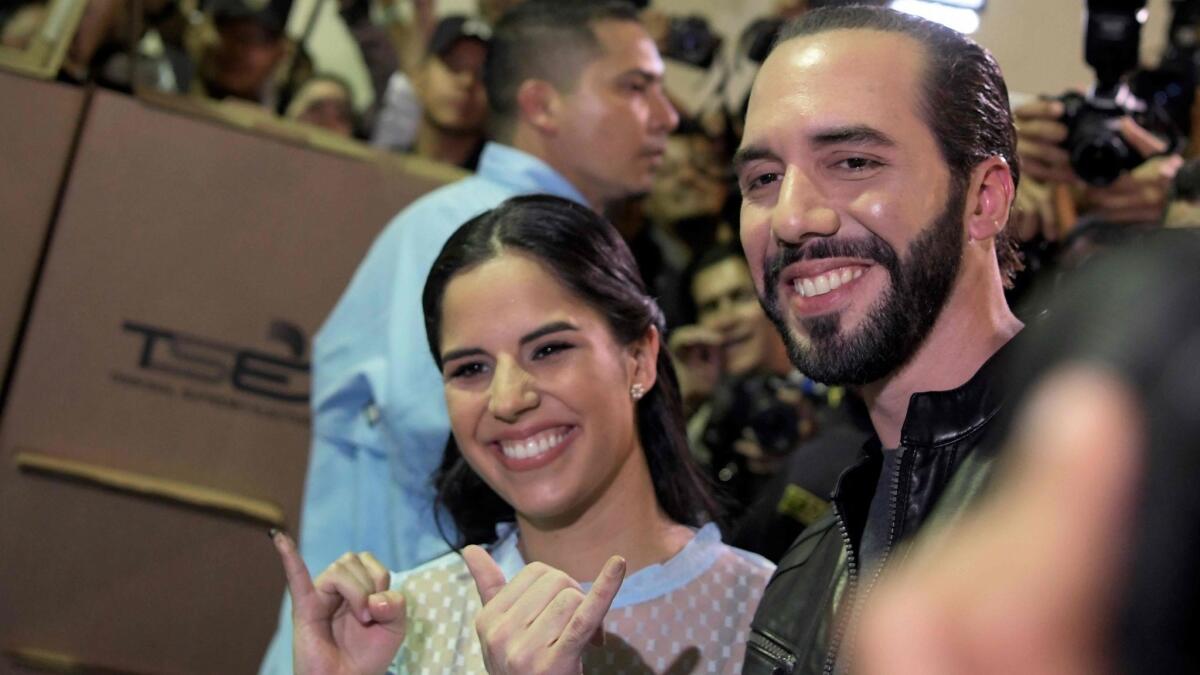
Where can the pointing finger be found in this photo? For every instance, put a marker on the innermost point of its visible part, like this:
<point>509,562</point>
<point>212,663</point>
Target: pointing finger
<point>299,581</point>
<point>589,617</point>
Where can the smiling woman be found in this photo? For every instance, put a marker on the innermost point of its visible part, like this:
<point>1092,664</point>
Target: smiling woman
<point>568,453</point>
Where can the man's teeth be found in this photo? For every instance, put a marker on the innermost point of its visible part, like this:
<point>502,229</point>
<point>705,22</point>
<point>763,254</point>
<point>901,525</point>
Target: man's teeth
<point>832,280</point>
<point>534,445</point>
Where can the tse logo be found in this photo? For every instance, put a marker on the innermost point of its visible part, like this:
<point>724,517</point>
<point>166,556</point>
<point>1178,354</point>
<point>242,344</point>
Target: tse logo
<point>214,362</point>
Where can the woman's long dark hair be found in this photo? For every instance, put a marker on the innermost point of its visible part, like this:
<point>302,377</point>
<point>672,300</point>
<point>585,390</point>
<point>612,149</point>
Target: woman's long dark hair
<point>589,258</point>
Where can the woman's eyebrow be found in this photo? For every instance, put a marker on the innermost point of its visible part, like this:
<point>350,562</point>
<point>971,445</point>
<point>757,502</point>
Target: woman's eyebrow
<point>462,353</point>
<point>548,329</point>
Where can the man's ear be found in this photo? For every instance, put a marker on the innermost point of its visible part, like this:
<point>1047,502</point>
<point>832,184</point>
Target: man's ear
<point>643,359</point>
<point>538,105</point>
<point>989,196</point>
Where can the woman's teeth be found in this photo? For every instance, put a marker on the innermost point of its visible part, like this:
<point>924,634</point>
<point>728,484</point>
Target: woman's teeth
<point>832,280</point>
<point>534,445</point>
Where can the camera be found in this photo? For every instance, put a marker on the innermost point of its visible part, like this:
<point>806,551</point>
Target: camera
<point>771,406</point>
<point>1098,152</point>
<point>691,40</point>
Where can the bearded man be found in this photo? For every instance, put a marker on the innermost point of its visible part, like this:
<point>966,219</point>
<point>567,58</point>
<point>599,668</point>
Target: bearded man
<point>877,168</point>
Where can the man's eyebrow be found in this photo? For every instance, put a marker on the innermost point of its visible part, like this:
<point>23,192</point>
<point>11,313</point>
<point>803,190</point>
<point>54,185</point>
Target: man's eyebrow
<point>641,74</point>
<point>852,135</point>
<point>548,329</point>
<point>751,153</point>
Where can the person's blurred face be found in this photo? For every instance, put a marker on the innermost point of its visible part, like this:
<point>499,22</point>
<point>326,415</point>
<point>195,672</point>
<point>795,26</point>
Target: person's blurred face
<point>246,57</point>
<point>691,180</point>
<point>726,303</point>
<point>537,390</point>
<point>853,232</point>
<point>610,131</point>
<point>325,104</point>
<point>450,87</point>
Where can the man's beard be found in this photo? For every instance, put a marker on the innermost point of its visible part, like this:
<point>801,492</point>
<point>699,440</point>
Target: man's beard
<point>896,325</point>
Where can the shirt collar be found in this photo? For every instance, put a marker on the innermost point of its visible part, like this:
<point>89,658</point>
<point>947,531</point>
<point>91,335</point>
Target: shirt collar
<point>523,172</point>
<point>645,584</point>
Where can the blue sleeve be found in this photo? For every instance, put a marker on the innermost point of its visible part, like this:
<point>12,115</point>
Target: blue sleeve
<point>278,659</point>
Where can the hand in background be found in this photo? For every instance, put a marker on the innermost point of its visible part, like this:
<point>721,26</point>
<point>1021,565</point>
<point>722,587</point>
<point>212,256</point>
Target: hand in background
<point>1140,195</point>
<point>347,621</point>
<point>540,622</point>
<point>1040,131</point>
<point>1135,197</point>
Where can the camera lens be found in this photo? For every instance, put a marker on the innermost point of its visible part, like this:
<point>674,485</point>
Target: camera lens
<point>1099,158</point>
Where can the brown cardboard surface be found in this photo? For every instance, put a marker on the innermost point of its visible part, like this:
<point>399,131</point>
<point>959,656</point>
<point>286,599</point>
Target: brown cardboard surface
<point>37,121</point>
<point>191,265</point>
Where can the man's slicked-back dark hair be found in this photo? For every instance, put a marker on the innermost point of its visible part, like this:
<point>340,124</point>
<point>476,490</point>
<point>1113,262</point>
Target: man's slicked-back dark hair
<point>963,96</point>
<point>589,258</point>
<point>549,40</point>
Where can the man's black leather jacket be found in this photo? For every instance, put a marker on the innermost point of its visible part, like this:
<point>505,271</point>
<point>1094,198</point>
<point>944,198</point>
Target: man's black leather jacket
<point>950,439</point>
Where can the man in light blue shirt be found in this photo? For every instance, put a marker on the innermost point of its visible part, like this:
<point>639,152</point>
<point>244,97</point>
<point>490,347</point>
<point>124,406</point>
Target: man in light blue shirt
<point>577,107</point>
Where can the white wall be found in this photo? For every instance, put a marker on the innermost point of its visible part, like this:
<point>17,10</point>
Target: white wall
<point>1039,43</point>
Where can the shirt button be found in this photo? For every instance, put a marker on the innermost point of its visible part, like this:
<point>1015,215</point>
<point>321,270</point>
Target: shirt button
<point>371,412</point>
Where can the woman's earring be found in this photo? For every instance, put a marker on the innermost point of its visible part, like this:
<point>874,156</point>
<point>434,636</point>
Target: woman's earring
<point>637,391</point>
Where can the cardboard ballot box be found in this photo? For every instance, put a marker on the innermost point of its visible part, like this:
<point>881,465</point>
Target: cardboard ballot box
<point>37,121</point>
<point>157,422</point>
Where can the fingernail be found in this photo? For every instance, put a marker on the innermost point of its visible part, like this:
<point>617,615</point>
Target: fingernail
<point>619,567</point>
<point>272,533</point>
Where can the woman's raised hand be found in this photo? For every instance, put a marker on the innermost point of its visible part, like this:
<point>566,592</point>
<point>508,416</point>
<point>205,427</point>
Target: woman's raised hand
<point>540,622</point>
<point>347,621</point>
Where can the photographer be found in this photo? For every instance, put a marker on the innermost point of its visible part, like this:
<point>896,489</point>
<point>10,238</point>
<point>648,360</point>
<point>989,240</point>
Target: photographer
<point>1109,156</point>
<point>774,440</point>
<point>1136,196</point>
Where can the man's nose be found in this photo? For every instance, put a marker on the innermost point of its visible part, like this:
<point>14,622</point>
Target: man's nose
<point>512,391</point>
<point>802,210</point>
<point>663,115</point>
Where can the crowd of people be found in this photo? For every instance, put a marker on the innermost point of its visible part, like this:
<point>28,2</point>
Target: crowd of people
<point>854,374</point>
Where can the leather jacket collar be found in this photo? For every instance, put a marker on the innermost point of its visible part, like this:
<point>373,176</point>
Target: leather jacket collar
<point>937,418</point>
<point>940,429</point>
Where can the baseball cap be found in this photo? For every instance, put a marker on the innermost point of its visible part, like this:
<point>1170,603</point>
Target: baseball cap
<point>457,27</point>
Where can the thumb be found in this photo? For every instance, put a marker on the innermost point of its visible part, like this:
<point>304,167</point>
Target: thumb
<point>488,577</point>
<point>299,582</point>
<point>588,618</point>
<point>1141,140</point>
<point>387,610</point>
